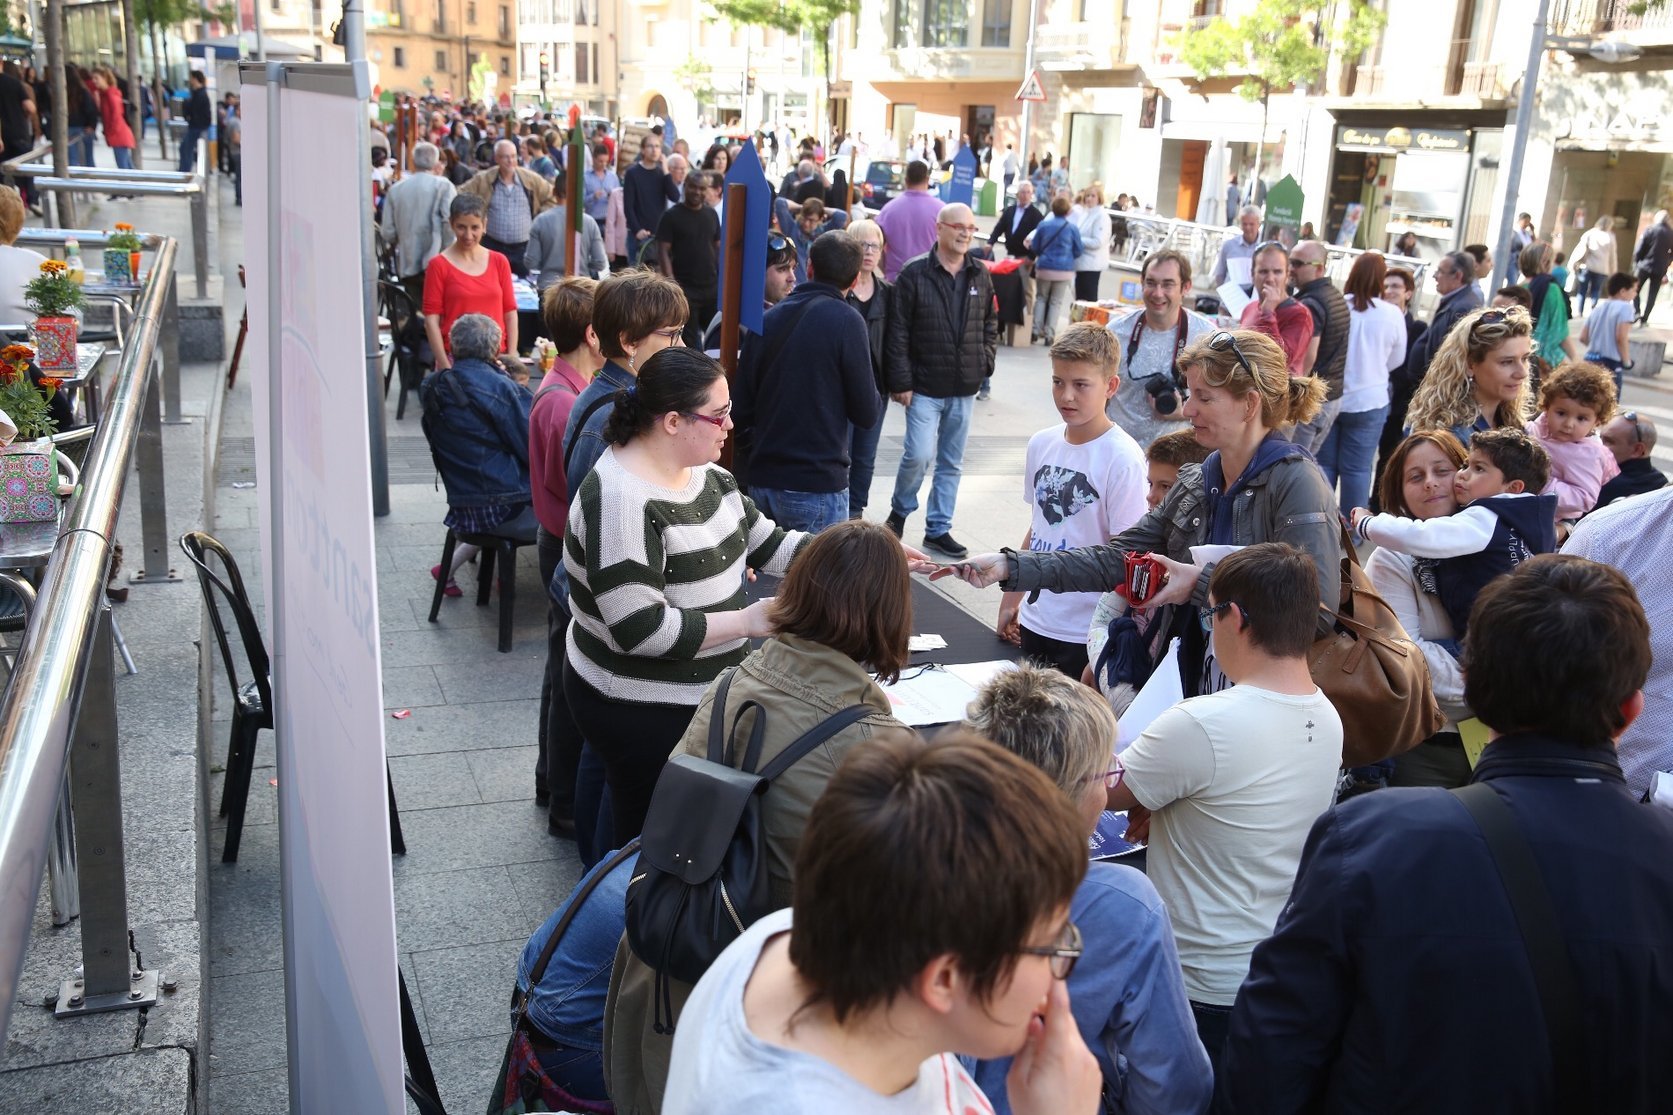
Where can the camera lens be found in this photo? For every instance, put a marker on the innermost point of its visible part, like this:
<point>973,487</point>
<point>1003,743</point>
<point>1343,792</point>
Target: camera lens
<point>1163,396</point>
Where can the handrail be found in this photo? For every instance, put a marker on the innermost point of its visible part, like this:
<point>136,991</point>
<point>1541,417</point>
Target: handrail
<point>45,170</point>
<point>39,709</point>
<point>44,147</point>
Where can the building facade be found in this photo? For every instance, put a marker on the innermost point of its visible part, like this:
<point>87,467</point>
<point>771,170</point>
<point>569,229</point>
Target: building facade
<point>566,54</point>
<point>462,49</point>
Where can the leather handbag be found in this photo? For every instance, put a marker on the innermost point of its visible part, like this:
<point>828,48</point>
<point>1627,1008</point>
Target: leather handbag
<point>1373,673</point>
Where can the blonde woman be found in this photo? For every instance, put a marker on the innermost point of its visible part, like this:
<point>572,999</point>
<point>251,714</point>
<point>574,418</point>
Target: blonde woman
<point>1593,259</point>
<point>1479,377</point>
<point>1092,218</point>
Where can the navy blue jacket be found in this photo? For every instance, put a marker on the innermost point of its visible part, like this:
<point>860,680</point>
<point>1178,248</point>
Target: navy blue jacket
<point>1527,526</point>
<point>1396,979</point>
<point>793,417</point>
<point>477,421</point>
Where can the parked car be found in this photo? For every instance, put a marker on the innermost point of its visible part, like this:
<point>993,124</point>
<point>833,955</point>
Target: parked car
<point>884,179</point>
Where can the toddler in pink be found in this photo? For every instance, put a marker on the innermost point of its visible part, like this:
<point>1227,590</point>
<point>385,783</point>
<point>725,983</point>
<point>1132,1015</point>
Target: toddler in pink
<point>1577,400</point>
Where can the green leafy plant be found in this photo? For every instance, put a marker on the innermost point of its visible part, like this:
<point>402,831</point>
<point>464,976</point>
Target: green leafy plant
<point>124,238</point>
<point>817,17</point>
<point>53,293</point>
<point>25,403</point>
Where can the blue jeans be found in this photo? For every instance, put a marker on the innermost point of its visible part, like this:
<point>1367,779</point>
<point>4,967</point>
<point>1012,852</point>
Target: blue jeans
<point>595,821</point>
<point>1609,363</point>
<point>862,463</point>
<point>189,148</point>
<point>1588,286</point>
<point>939,426</point>
<point>81,148</point>
<point>809,511</point>
<point>1348,451</point>
<point>580,1072</point>
<point>124,157</point>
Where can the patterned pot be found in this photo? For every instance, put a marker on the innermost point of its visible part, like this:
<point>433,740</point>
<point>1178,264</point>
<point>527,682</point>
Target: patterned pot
<point>118,267</point>
<point>55,345</point>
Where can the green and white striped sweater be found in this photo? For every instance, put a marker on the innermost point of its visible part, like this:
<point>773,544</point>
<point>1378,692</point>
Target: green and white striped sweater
<point>646,564</point>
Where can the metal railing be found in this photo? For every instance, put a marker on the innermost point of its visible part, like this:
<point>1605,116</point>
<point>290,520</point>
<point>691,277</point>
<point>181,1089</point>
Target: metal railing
<point>58,713</point>
<point>192,185</point>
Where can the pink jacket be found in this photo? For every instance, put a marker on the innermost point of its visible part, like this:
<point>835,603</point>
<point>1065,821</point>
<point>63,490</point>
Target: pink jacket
<point>1579,470</point>
<point>615,226</point>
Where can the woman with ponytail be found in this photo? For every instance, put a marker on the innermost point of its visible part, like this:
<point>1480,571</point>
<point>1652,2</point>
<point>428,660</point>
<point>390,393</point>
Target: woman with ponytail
<point>1254,487</point>
<point>657,548</point>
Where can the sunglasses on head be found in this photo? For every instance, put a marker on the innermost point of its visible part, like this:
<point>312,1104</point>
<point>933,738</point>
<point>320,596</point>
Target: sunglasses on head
<point>1224,341</point>
<point>1637,430</point>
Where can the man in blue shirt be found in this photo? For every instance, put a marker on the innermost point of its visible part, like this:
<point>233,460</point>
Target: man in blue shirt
<point>596,185</point>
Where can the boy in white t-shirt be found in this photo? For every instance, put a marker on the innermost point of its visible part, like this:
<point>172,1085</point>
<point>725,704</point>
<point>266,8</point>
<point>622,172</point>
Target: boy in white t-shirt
<point>1226,785</point>
<point>1085,479</point>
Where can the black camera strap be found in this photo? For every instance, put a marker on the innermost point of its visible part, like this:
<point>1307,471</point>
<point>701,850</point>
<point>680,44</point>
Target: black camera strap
<point>1178,344</point>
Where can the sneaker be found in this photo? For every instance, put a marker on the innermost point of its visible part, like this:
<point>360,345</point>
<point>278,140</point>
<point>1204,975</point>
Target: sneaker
<point>451,588</point>
<point>945,544</point>
<point>985,391</point>
<point>896,523</point>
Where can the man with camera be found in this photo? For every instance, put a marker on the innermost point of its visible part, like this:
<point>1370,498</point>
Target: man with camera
<point>1146,402</point>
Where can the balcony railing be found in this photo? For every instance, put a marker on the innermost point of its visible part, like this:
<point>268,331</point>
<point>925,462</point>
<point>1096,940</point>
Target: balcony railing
<point>1599,17</point>
<point>1086,45</point>
<point>1454,77</point>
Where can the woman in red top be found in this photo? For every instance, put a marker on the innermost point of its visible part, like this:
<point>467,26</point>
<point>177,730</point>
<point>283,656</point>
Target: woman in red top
<point>467,278</point>
<point>117,133</point>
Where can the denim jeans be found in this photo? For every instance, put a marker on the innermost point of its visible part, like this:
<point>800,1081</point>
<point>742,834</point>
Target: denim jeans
<point>1348,451</point>
<point>809,511</point>
<point>81,148</point>
<point>189,148</point>
<point>939,426</point>
<point>1588,285</point>
<point>1311,435</point>
<point>1610,364</point>
<point>862,462</point>
<point>124,157</point>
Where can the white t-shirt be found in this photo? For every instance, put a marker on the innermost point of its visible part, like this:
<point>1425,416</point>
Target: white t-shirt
<point>1082,495</point>
<point>1234,780</point>
<point>719,1066</point>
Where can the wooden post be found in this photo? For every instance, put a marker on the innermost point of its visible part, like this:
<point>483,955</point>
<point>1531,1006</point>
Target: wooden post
<point>572,216</point>
<point>732,292</point>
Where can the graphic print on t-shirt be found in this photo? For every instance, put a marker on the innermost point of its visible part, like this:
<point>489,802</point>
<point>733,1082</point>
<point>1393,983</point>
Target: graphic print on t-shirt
<point>1061,492</point>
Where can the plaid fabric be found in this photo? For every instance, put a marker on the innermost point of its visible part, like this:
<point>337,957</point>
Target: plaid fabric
<point>481,520</point>
<point>523,1085</point>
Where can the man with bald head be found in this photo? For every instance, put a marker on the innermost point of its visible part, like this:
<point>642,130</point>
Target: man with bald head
<point>938,351</point>
<point>1327,352</point>
<point>515,195</point>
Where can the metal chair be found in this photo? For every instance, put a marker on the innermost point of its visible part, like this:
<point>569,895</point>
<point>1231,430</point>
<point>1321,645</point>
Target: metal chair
<point>492,545</point>
<point>252,706</point>
<point>406,332</point>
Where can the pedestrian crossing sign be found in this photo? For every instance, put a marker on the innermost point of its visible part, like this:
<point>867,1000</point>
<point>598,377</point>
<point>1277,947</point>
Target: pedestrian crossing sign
<point>1031,89</point>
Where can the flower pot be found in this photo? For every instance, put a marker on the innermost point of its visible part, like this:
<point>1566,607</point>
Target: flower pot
<point>133,267</point>
<point>119,269</point>
<point>55,345</point>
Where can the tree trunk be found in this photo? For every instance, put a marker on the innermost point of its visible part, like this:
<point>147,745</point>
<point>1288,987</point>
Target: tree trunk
<point>1260,145</point>
<point>63,203</point>
<point>158,108</point>
<point>136,109</point>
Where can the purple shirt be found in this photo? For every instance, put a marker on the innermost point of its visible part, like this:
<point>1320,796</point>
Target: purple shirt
<point>908,224</point>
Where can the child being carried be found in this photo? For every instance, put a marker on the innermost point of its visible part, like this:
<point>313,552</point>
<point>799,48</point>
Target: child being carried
<point>1502,521</point>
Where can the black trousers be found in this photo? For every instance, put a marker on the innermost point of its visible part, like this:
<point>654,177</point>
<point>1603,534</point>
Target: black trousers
<point>560,739</point>
<point>1653,282</point>
<point>513,253</point>
<point>703,304</point>
<point>634,741</point>
<point>1068,657</point>
<point>1086,285</point>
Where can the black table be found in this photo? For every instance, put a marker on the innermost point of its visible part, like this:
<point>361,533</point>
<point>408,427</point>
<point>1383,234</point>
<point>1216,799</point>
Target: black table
<point>933,612</point>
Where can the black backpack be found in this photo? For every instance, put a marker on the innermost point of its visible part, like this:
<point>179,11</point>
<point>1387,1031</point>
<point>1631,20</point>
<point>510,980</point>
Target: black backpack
<point>701,879</point>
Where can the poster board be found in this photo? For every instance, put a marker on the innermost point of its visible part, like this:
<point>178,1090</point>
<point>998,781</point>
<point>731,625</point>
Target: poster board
<point>305,138</point>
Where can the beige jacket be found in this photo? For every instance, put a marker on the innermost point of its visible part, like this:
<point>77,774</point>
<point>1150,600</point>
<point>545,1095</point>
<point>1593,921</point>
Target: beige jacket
<point>539,190</point>
<point>799,683</point>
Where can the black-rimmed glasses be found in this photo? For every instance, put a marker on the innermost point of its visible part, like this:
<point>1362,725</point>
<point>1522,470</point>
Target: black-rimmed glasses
<point>1063,954</point>
<point>674,335</point>
<point>1222,341</point>
<point>1208,615</point>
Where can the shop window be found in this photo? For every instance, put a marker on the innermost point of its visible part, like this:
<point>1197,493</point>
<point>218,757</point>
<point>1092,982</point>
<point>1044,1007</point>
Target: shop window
<point>441,61</point>
<point>470,13</point>
<point>505,66</point>
<point>996,22</point>
<point>946,23</point>
<point>400,58</point>
<point>505,21</point>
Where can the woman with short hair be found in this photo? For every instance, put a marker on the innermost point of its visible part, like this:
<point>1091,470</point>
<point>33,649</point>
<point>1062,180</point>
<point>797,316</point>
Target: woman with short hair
<point>1055,245</point>
<point>1092,220</point>
<point>1478,379</point>
<point>873,297</point>
<point>466,278</point>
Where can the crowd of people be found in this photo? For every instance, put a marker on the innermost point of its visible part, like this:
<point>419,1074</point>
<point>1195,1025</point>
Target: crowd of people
<point>911,924</point>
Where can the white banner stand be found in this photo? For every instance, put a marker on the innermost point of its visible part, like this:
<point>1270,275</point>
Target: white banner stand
<point>305,169</point>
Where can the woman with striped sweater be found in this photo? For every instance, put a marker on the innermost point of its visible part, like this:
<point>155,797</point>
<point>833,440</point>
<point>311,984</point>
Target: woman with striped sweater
<point>658,543</point>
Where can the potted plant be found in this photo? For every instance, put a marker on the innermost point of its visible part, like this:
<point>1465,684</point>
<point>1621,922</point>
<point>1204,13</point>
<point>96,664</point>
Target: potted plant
<point>122,256</point>
<point>30,477</point>
<point>53,295</point>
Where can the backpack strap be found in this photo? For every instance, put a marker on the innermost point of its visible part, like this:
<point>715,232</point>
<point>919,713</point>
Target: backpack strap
<point>561,385</point>
<point>592,408</point>
<point>813,737</point>
<point>538,972</point>
<point>1536,918</point>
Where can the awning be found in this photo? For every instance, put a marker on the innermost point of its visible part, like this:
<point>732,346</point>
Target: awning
<point>231,48</point>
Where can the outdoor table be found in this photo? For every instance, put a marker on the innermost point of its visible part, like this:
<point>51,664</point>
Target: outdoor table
<point>86,379</point>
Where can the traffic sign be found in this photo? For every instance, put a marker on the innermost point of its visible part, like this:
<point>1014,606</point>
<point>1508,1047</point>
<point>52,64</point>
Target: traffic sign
<point>1031,89</point>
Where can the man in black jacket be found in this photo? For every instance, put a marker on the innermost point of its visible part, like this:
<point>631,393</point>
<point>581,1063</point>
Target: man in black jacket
<point>938,350</point>
<point>1401,976</point>
<point>200,117</point>
<point>1650,260</point>
<point>1015,225</point>
<point>1327,354</point>
<point>800,386</point>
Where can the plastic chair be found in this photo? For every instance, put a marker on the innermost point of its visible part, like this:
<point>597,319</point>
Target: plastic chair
<point>493,545</point>
<point>252,706</point>
<point>406,331</point>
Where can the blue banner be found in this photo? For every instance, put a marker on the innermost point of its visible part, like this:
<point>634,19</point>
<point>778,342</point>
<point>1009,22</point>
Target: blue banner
<point>757,212</point>
<point>962,189</point>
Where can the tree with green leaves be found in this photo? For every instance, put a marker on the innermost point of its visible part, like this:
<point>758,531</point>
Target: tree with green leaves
<point>156,16</point>
<point>1279,45</point>
<point>792,17</point>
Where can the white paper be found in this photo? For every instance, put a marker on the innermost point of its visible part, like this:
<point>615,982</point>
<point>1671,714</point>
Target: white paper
<point>1661,789</point>
<point>1159,694</point>
<point>1232,295</point>
<point>933,696</point>
<point>1241,270</point>
<point>1207,554</point>
<point>925,642</point>
<point>978,674</point>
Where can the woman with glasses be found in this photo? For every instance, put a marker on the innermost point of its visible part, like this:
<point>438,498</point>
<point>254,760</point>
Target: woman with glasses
<point>1254,487</point>
<point>1479,377</point>
<point>1092,220</point>
<point>931,918</point>
<point>873,296</point>
<point>843,614</point>
<point>658,542</point>
<point>1128,994</point>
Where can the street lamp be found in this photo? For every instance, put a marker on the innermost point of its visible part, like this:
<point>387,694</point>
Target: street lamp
<point>1607,51</point>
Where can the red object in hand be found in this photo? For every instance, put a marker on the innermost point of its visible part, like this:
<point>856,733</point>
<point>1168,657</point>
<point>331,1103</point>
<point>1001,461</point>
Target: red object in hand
<point>1144,577</point>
